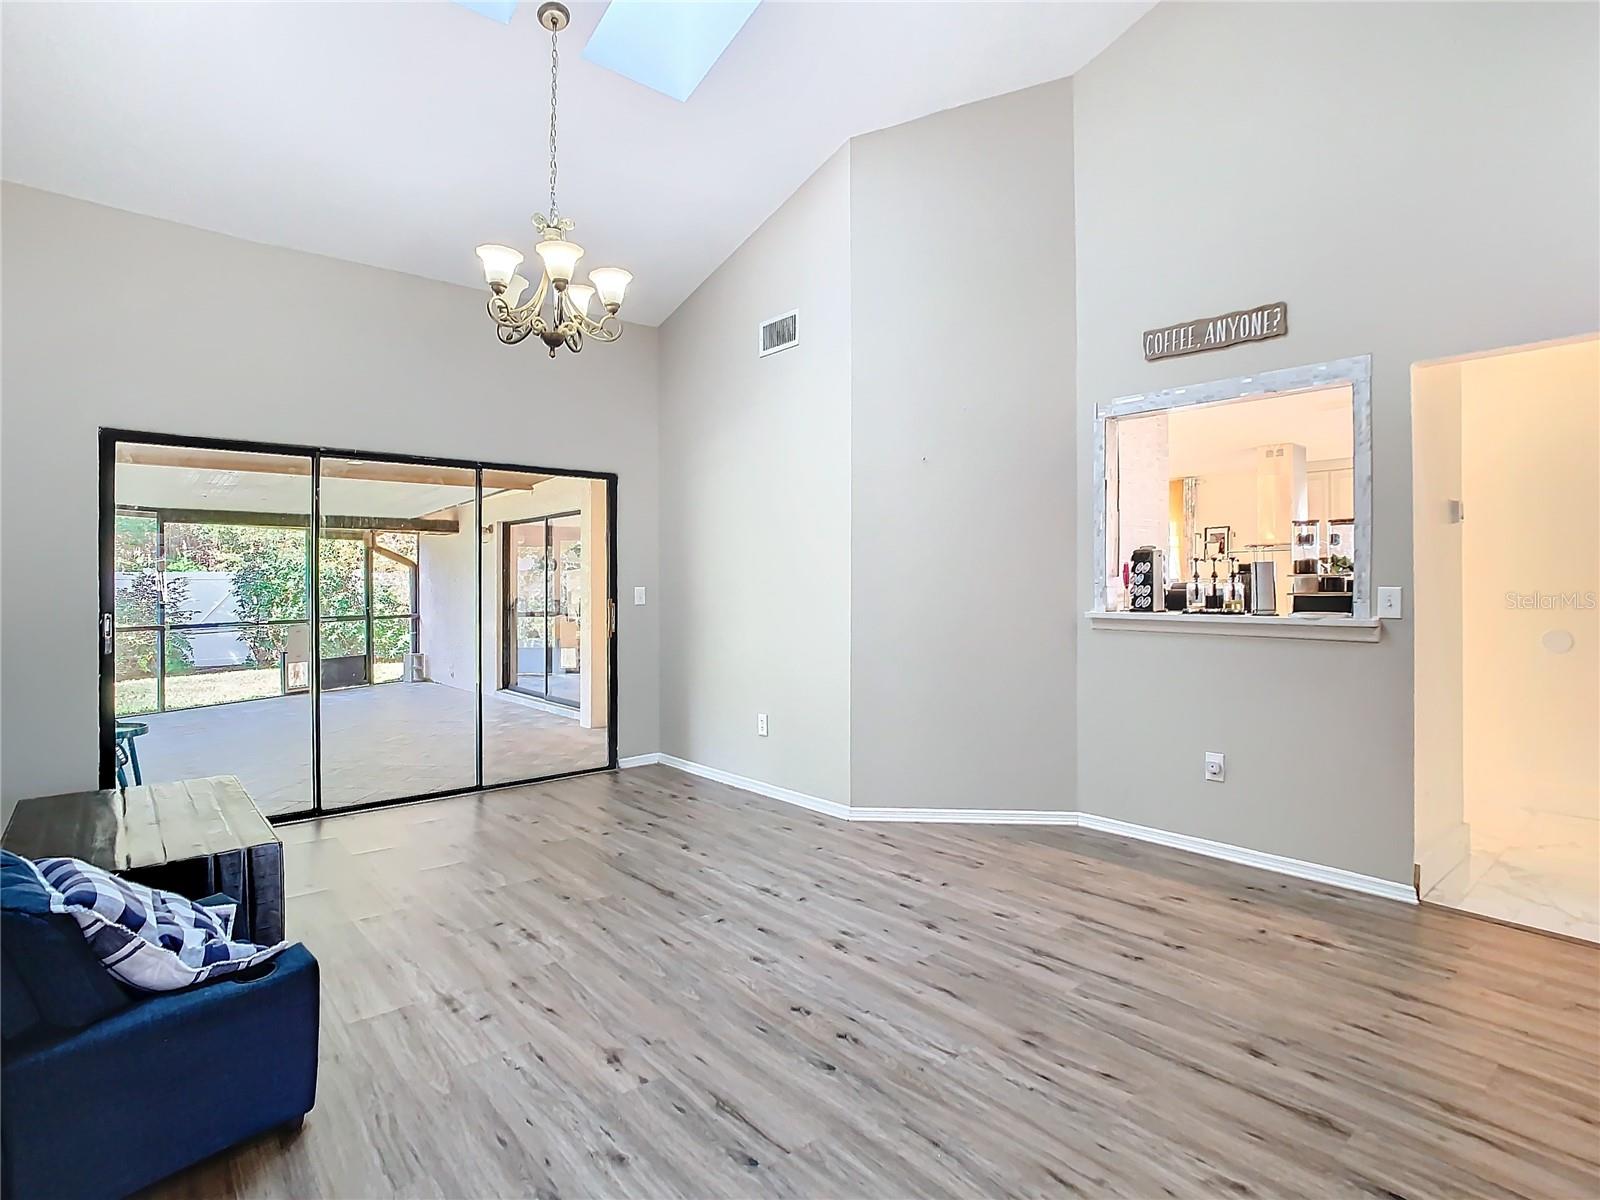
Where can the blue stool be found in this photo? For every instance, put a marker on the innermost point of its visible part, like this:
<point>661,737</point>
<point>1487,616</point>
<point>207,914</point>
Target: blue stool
<point>128,750</point>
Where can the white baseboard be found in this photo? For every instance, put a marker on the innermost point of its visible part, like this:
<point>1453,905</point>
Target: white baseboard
<point>830,808</point>
<point>638,760</point>
<point>1334,876</point>
<point>1283,865</point>
<point>968,816</point>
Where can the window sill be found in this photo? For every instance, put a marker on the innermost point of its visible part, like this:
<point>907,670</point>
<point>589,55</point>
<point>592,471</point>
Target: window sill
<point>1307,628</point>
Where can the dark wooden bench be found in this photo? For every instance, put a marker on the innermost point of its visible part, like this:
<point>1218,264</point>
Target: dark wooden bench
<point>196,837</point>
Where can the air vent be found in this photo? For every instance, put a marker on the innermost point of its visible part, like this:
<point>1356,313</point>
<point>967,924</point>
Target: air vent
<point>779,333</point>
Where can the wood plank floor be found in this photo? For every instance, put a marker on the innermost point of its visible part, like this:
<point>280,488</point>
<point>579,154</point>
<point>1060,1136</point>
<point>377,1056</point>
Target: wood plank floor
<point>646,984</point>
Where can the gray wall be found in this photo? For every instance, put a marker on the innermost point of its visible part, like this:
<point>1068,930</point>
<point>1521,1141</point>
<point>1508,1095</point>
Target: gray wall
<point>962,539</point>
<point>881,538</point>
<point>119,320</point>
<point>1416,181</point>
<point>755,505</point>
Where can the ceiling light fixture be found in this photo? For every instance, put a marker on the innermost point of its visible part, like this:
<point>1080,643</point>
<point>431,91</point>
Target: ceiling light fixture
<point>567,321</point>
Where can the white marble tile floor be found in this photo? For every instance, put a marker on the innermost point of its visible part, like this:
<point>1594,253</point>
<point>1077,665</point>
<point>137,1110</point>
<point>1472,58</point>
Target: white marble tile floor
<point>1530,867</point>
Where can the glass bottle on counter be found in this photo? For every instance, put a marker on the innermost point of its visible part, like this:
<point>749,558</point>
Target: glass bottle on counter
<point>1233,590</point>
<point>1214,596</point>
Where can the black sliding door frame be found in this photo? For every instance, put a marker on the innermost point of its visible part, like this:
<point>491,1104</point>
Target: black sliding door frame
<point>106,629</point>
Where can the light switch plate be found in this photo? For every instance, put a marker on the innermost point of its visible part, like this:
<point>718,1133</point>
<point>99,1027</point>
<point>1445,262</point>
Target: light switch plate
<point>638,595</point>
<point>1391,602</point>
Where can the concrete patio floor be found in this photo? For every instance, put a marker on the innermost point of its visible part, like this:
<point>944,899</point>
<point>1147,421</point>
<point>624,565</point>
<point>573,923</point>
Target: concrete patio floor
<point>378,743</point>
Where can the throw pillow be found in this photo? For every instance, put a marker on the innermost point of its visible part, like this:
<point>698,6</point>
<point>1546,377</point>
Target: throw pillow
<point>150,939</point>
<point>49,979</point>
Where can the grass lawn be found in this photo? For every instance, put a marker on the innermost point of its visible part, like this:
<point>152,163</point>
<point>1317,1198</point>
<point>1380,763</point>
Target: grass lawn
<point>136,696</point>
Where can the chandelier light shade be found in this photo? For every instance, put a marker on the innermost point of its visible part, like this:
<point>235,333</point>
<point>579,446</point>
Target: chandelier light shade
<point>610,284</point>
<point>580,296</point>
<point>560,260</point>
<point>559,310</point>
<point>500,263</point>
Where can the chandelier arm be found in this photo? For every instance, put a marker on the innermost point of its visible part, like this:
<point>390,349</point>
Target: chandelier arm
<point>534,304</point>
<point>524,313</point>
<point>607,329</point>
<point>509,318</point>
<point>503,314</point>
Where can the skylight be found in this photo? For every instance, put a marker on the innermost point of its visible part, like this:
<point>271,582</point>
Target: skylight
<point>495,10</point>
<point>667,45</point>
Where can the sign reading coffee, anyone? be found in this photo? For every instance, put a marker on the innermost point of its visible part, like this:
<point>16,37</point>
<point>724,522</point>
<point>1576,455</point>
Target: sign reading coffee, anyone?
<point>1213,333</point>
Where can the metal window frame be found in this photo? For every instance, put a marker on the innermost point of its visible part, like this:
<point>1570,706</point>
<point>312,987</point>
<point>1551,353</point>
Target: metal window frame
<point>366,534</point>
<point>110,438</point>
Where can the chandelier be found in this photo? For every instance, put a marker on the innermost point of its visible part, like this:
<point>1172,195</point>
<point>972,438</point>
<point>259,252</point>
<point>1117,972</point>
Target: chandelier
<point>565,320</point>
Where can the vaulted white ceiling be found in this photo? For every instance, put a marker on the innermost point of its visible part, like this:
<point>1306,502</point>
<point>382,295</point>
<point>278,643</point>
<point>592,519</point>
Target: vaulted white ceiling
<point>401,135</point>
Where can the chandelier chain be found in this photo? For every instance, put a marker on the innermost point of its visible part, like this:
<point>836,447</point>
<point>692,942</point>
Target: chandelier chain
<point>555,63</point>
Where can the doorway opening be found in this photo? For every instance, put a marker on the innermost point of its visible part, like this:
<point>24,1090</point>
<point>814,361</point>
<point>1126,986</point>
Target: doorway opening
<point>1506,513</point>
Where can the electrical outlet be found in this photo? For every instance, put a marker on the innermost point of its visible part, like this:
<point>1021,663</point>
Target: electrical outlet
<point>1215,766</point>
<point>761,724</point>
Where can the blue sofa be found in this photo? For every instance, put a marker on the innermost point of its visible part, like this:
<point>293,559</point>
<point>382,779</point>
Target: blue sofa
<point>107,1090</point>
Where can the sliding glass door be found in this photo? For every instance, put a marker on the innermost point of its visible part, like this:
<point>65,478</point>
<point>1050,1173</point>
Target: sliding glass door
<point>547,624</point>
<point>389,727</point>
<point>435,635</point>
<point>527,580</point>
<point>210,613</point>
<point>564,608</point>
<point>544,607</point>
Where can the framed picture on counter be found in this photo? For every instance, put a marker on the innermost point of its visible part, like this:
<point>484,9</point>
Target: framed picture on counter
<point>1218,539</point>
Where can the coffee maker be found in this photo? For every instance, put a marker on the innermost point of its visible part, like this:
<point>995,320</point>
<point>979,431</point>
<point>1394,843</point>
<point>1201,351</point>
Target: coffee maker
<point>1147,584</point>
